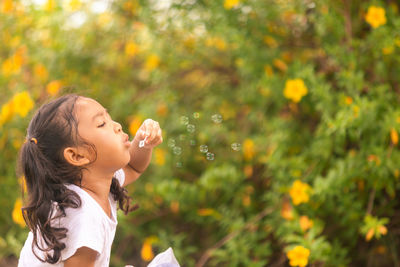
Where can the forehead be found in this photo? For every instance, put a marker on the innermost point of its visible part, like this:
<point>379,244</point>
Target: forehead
<point>86,108</point>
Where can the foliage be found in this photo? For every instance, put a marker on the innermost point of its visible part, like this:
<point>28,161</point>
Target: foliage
<point>280,120</point>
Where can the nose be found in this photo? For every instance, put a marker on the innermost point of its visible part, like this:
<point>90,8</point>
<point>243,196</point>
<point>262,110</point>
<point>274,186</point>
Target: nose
<point>117,127</point>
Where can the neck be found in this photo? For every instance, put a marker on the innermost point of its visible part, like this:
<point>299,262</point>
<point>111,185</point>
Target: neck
<point>97,183</point>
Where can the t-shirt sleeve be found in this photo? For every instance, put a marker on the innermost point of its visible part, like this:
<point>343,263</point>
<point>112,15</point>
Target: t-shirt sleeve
<point>84,230</point>
<point>120,175</point>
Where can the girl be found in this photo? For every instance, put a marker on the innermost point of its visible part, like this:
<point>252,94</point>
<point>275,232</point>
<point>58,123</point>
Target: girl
<point>76,162</point>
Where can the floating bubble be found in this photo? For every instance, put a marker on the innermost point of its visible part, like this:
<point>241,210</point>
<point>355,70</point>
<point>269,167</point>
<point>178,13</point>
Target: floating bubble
<point>177,150</point>
<point>184,120</point>
<point>179,164</point>
<point>210,156</point>
<point>171,143</point>
<point>236,146</point>
<point>196,115</point>
<point>203,149</point>
<point>216,118</point>
<point>191,128</point>
<point>192,142</point>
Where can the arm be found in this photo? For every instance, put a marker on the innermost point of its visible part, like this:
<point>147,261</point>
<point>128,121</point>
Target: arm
<point>141,156</point>
<point>83,256</point>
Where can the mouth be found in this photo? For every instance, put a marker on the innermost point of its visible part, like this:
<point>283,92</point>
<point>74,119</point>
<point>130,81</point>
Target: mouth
<point>126,141</point>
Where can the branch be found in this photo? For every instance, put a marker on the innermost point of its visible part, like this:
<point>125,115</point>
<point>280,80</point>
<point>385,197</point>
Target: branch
<point>207,255</point>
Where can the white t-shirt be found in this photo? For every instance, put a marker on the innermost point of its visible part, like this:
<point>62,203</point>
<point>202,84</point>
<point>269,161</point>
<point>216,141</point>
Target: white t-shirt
<point>88,226</point>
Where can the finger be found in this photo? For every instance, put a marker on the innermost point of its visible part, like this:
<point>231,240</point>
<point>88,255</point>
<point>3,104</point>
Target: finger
<point>150,134</point>
<point>157,138</point>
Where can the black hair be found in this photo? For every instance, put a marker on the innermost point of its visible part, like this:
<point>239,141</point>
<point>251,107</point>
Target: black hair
<point>41,161</point>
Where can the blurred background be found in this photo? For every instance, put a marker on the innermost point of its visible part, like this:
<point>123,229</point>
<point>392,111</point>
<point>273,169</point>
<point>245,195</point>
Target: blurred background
<point>280,121</point>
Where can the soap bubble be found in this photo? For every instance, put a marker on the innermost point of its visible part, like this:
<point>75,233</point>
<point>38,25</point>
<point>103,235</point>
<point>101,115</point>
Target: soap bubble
<point>191,128</point>
<point>216,118</point>
<point>210,156</point>
<point>196,115</point>
<point>192,142</point>
<point>171,143</point>
<point>179,164</point>
<point>177,150</point>
<point>184,120</point>
<point>203,149</point>
<point>236,146</point>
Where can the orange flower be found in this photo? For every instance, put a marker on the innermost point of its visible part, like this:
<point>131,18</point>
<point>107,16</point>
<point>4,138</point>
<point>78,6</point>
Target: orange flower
<point>286,211</point>
<point>369,234</point>
<point>134,125</point>
<point>248,149</point>
<point>394,136</point>
<point>147,250</point>
<point>53,87</point>
<point>17,213</point>
<point>305,223</point>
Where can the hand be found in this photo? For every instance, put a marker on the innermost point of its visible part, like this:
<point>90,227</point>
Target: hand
<point>150,129</point>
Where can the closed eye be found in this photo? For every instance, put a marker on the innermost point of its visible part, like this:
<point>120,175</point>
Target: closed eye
<point>101,125</point>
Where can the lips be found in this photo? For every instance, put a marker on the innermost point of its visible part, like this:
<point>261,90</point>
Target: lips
<point>125,139</point>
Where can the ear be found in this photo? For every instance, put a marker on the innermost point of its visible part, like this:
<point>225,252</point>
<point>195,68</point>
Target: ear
<point>76,156</point>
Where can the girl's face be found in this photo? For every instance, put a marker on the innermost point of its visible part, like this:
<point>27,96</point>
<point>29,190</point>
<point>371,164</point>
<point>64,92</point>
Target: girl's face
<point>97,127</point>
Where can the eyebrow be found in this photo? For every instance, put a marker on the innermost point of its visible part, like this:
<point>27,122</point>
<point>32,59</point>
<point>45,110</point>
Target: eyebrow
<point>100,113</point>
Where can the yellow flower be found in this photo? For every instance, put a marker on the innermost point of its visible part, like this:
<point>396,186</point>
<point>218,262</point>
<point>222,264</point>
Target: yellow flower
<point>53,87</point>
<point>216,42</point>
<point>17,213</point>
<point>270,41</point>
<point>388,50</point>
<point>22,103</point>
<point>295,90</point>
<point>159,156</point>
<point>299,192</point>
<point>14,63</point>
<point>7,6</point>
<point>305,223</point>
<point>152,62</point>
<point>394,136</point>
<point>268,70</point>
<point>7,112</point>
<point>134,125</point>
<point>41,72</point>
<point>50,5</point>
<point>375,16</point>
<point>248,149</point>
<point>147,250</point>
<point>298,256</point>
<point>131,49</point>
<point>229,4</point>
<point>74,5</point>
